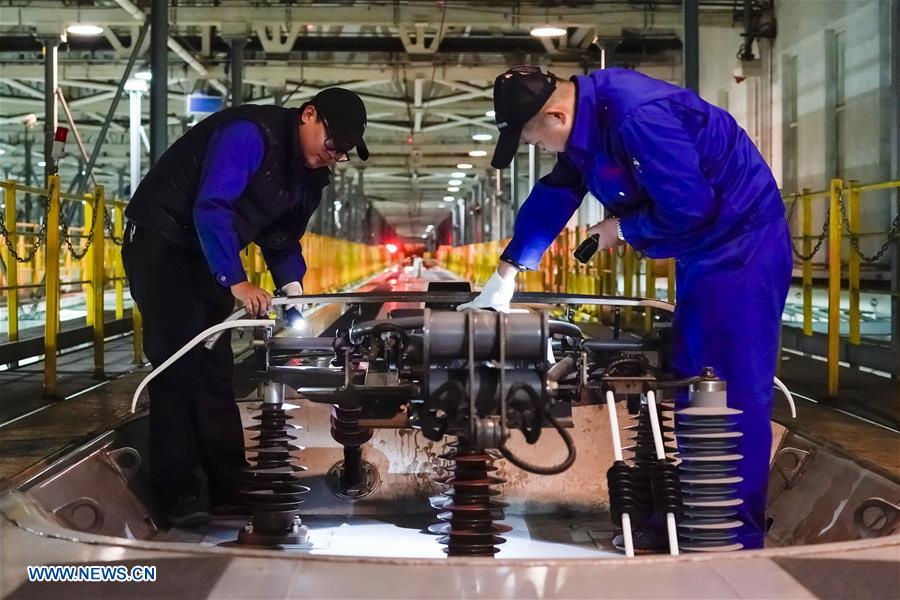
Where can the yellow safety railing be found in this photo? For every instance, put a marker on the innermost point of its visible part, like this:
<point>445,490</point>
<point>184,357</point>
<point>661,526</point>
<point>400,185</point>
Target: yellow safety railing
<point>332,264</point>
<point>37,260</point>
<point>52,256</point>
<point>621,271</point>
<point>842,221</point>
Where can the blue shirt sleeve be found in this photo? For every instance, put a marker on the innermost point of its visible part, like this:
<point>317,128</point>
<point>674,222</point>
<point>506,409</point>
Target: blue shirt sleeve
<point>683,204</point>
<point>286,265</point>
<point>232,157</point>
<point>545,212</point>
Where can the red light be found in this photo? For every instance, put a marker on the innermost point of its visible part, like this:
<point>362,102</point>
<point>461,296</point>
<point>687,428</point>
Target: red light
<point>391,248</point>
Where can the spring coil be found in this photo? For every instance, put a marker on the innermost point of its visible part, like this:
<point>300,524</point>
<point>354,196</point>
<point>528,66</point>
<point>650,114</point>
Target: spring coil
<point>622,494</point>
<point>667,489</point>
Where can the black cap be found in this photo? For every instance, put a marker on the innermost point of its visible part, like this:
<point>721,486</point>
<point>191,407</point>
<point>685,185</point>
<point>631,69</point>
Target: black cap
<point>519,94</point>
<point>345,114</point>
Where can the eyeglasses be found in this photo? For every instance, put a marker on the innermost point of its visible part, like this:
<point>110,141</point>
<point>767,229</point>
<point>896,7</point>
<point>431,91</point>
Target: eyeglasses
<point>340,152</point>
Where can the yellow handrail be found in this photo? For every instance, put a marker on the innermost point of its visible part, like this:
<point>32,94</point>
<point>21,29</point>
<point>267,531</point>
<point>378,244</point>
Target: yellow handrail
<point>333,264</point>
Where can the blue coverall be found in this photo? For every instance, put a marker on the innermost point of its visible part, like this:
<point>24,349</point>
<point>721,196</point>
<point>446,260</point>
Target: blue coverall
<point>686,182</point>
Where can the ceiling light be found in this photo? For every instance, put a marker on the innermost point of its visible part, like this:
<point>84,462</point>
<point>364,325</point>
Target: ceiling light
<point>144,75</point>
<point>42,164</point>
<point>463,166</point>
<point>452,188</point>
<point>548,31</point>
<point>2,151</point>
<point>424,236</point>
<point>457,175</point>
<point>449,198</point>
<point>84,29</point>
<point>477,153</point>
<point>490,113</point>
<point>455,182</point>
<point>429,228</point>
<point>136,85</point>
<point>482,137</point>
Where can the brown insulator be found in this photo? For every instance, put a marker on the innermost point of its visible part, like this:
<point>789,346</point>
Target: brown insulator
<point>469,515</point>
<point>272,489</point>
<point>345,427</point>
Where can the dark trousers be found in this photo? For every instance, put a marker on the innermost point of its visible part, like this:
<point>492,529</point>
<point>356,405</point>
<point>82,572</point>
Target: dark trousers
<point>195,427</point>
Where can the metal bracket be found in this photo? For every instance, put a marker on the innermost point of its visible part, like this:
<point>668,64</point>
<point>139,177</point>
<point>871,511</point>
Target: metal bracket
<point>791,475</point>
<point>885,521</point>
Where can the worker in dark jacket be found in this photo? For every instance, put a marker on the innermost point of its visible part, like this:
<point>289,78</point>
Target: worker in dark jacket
<point>680,179</point>
<point>245,174</point>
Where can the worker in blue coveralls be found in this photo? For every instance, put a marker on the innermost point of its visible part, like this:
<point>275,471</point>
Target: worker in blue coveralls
<point>680,179</point>
<point>246,174</point>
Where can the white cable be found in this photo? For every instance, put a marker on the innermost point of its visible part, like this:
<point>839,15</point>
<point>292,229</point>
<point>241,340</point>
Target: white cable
<point>661,455</point>
<point>617,454</point>
<point>787,394</point>
<point>234,316</point>
<point>196,340</point>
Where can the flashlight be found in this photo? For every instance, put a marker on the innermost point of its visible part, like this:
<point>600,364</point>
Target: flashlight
<point>586,249</point>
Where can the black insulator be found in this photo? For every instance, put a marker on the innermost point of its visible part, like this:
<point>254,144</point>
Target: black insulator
<point>623,494</point>
<point>272,488</point>
<point>667,489</point>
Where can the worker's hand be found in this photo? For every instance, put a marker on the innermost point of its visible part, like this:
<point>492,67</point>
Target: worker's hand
<point>256,300</point>
<point>607,232</point>
<point>293,311</point>
<point>496,293</point>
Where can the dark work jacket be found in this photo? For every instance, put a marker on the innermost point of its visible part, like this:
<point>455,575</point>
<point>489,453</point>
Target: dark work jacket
<point>276,205</point>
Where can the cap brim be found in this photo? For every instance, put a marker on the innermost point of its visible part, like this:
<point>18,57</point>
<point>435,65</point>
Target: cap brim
<point>507,145</point>
<point>362,151</point>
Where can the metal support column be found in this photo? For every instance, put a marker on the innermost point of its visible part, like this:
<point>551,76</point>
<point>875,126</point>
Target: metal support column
<point>237,69</point>
<point>533,166</point>
<point>691,45</point>
<point>51,113</point>
<point>134,139</point>
<point>159,69</point>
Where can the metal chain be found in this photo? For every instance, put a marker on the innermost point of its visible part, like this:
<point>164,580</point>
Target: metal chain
<point>854,239</point>
<point>110,230</point>
<point>78,254</point>
<point>819,241</point>
<point>38,238</point>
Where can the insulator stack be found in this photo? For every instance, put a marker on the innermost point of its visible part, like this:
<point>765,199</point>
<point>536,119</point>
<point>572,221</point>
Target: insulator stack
<point>622,494</point>
<point>272,489</point>
<point>643,453</point>
<point>346,430</point>
<point>469,514</point>
<point>667,489</point>
<point>708,443</point>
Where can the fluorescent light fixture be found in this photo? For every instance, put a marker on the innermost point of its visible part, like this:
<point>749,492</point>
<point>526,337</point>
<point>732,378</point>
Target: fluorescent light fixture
<point>2,151</point>
<point>490,113</point>
<point>477,153</point>
<point>457,175</point>
<point>42,164</point>
<point>455,182</point>
<point>144,75</point>
<point>463,166</point>
<point>429,228</point>
<point>449,198</point>
<point>548,31</point>
<point>452,188</point>
<point>482,137</point>
<point>84,29</point>
<point>424,236</point>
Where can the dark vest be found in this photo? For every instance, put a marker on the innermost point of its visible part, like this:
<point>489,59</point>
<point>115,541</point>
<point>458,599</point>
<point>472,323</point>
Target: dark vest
<point>276,205</point>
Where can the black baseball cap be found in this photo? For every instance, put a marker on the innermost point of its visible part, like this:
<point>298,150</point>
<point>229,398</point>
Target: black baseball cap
<point>519,94</point>
<point>345,114</point>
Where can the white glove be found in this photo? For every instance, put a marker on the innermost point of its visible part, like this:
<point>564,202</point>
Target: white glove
<point>293,289</point>
<point>496,294</point>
